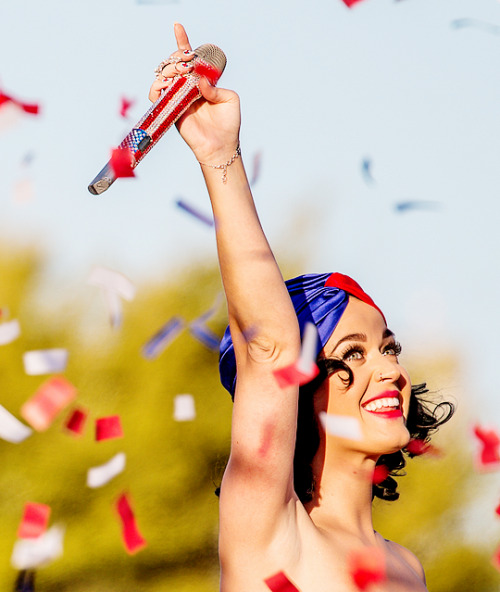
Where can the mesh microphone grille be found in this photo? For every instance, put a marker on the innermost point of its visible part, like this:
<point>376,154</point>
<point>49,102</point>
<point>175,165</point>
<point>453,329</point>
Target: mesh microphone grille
<point>213,55</point>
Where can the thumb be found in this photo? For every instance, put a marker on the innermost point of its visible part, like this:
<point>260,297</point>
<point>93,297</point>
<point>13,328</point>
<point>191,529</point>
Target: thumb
<point>215,95</point>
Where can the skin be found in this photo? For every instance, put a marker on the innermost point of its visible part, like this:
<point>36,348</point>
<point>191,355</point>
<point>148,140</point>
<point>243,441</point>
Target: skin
<point>264,528</point>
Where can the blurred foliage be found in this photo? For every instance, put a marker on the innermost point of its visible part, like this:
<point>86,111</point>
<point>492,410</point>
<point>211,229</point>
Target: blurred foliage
<point>172,467</point>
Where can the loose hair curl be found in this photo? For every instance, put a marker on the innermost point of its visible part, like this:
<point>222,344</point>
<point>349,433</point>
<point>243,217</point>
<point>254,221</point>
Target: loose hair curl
<point>424,418</point>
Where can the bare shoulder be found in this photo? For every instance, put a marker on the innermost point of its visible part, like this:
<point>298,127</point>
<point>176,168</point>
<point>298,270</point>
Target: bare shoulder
<point>410,558</point>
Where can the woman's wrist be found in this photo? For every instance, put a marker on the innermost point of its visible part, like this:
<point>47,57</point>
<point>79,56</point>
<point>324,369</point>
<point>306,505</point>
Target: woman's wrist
<point>223,166</point>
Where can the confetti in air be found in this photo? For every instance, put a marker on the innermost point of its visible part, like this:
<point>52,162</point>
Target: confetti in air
<point>108,428</point>
<point>489,455</point>
<point>75,423</point>
<point>163,338</point>
<point>11,429</point>
<point>366,171</point>
<point>350,3</point>
<point>99,476</point>
<point>121,162</point>
<point>33,553</point>
<point>34,521</point>
<point>476,24</point>
<point>418,447</point>
<point>45,361</point>
<point>304,369</point>
<point>49,400</point>
<point>31,108</point>
<point>367,567</point>
<point>280,583</point>
<point>9,332</point>
<point>114,286</point>
<point>407,206</point>
<point>125,105</point>
<point>380,473</point>
<point>341,426</point>
<point>132,538</point>
<point>208,220</point>
<point>184,408</point>
<point>256,165</point>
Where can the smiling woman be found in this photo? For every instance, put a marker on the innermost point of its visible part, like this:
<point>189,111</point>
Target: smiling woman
<point>294,497</point>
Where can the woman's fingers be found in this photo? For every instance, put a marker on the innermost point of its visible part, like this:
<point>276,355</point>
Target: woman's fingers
<point>181,37</point>
<point>216,95</point>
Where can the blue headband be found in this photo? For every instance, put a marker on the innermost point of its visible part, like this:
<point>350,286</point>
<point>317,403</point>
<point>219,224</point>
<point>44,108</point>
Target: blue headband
<point>317,298</point>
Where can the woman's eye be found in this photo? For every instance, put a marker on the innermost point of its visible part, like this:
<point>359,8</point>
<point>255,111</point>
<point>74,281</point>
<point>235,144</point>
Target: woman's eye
<point>393,349</point>
<point>353,355</point>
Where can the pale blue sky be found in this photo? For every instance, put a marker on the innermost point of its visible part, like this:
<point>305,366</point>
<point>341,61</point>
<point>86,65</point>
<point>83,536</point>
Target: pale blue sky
<point>322,87</point>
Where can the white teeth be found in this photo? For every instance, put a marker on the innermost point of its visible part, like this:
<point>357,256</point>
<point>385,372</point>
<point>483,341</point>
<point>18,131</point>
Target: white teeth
<point>379,403</point>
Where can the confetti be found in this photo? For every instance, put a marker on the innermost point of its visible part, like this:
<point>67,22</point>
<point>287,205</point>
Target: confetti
<point>76,420</point>
<point>350,3</point>
<point>103,277</point>
<point>406,206</point>
<point>367,567</point>
<point>290,375</point>
<point>257,161</point>
<point>341,426</point>
<point>380,473</point>
<point>418,447</point>
<point>34,521</point>
<point>132,538</point>
<point>99,476</point>
<point>469,22</point>
<point>164,337</point>
<point>497,510</point>
<point>11,429</point>
<point>304,369</point>
<point>121,162</point>
<point>125,105</point>
<point>184,409</point>
<point>194,212</point>
<point>9,332</point>
<point>495,560</point>
<point>366,170</point>
<point>108,428</point>
<point>489,456</point>
<point>48,401</point>
<point>204,335</point>
<point>32,553</point>
<point>31,108</point>
<point>280,583</point>
<point>45,361</point>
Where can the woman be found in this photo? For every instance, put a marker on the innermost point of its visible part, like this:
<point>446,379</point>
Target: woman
<point>268,524</point>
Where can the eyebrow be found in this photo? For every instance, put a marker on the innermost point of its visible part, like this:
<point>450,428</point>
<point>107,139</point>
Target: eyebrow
<point>359,337</point>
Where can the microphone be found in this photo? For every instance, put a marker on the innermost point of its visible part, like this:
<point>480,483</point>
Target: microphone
<point>209,61</point>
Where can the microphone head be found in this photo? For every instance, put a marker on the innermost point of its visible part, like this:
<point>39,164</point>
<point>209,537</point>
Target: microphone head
<point>211,61</point>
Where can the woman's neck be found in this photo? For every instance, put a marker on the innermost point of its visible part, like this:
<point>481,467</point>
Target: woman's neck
<point>343,493</point>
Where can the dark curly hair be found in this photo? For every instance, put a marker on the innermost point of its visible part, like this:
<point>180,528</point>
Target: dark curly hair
<point>424,417</point>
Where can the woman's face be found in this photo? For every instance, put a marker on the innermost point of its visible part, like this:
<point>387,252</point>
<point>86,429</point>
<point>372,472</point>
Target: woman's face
<point>379,395</point>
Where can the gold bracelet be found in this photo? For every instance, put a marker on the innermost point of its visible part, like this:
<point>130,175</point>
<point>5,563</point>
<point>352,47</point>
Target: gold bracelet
<point>225,165</point>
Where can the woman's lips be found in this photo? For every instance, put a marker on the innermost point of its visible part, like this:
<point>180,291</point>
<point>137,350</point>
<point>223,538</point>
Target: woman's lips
<point>386,405</point>
<point>387,414</point>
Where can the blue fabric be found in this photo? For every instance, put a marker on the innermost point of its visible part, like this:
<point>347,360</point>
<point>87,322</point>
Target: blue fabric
<point>313,303</point>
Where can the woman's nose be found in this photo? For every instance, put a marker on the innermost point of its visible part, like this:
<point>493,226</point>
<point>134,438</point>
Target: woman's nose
<point>387,370</point>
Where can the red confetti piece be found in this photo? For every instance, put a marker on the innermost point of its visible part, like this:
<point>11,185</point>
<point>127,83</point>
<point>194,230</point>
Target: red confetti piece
<point>48,401</point>
<point>350,3</point>
<point>125,106</point>
<point>108,428</point>
<point>497,510</point>
<point>489,457</point>
<point>122,162</point>
<point>76,421</point>
<point>31,108</point>
<point>367,567</point>
<point>419,447</point>
<point>280,583</point>
<point>495,560</point>
<point>292,375</point>
<point>34,521</point>
<point>132,538</point>
<point>380,474</point>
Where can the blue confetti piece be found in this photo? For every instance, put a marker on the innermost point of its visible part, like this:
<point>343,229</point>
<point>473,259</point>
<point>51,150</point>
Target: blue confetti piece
<point>164,337</point>
<point>194,212</point>
<point>204,335</point>
<point>470,22</point>
<point>366,170</point>
<point>406,206</point>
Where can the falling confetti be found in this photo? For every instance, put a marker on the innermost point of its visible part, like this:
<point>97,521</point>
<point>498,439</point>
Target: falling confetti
<point>33,553</point>
<point>367,567</point>
<point>489,456</point>
<point>122,162</point>
<point>11,429</point>
<point>9,332</point>
<point>366,170</point>
<point>108,428</point>
<point>184,408</point>
<point>132,538</point>
<point>164,337</point>
<point>304,369</point>
<point>495,560</point>
<point>280,583</point>
<point>407,206</point>
<point>194,212</point>
<point>204,335</point>
<point>341,426</point>
<point>45,361</point>
<point>125,105</point>
<point>34,521</point>
<point>49,400</point>
<point>350,3</point>
<point>31,108</point>
<point>290,375</point>
<point>99,476</point>
<point>477,24</point>
<point>114,286</point>
<point>418,447</point>
<point>256,165</point>
<point>380,473</point>
<point>75,422</point>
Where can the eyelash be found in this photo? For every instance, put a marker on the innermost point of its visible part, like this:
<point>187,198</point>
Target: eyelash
<point>394,345</point>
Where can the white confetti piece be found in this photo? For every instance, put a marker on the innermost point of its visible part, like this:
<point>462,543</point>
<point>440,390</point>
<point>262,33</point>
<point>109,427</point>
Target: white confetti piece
<point>34,553</point>
<point>45,361</point>
<point>114,306</point>
<point>9,331</point>
<point>308,352</point>
<point>184,409</point>
<point>112,280</point>
<point>341,426</point>
<point>11,429</point>
<point>99,476</point>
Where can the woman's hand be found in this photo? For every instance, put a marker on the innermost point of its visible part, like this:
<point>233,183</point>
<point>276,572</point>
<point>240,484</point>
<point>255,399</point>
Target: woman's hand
<point>211,125</point>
